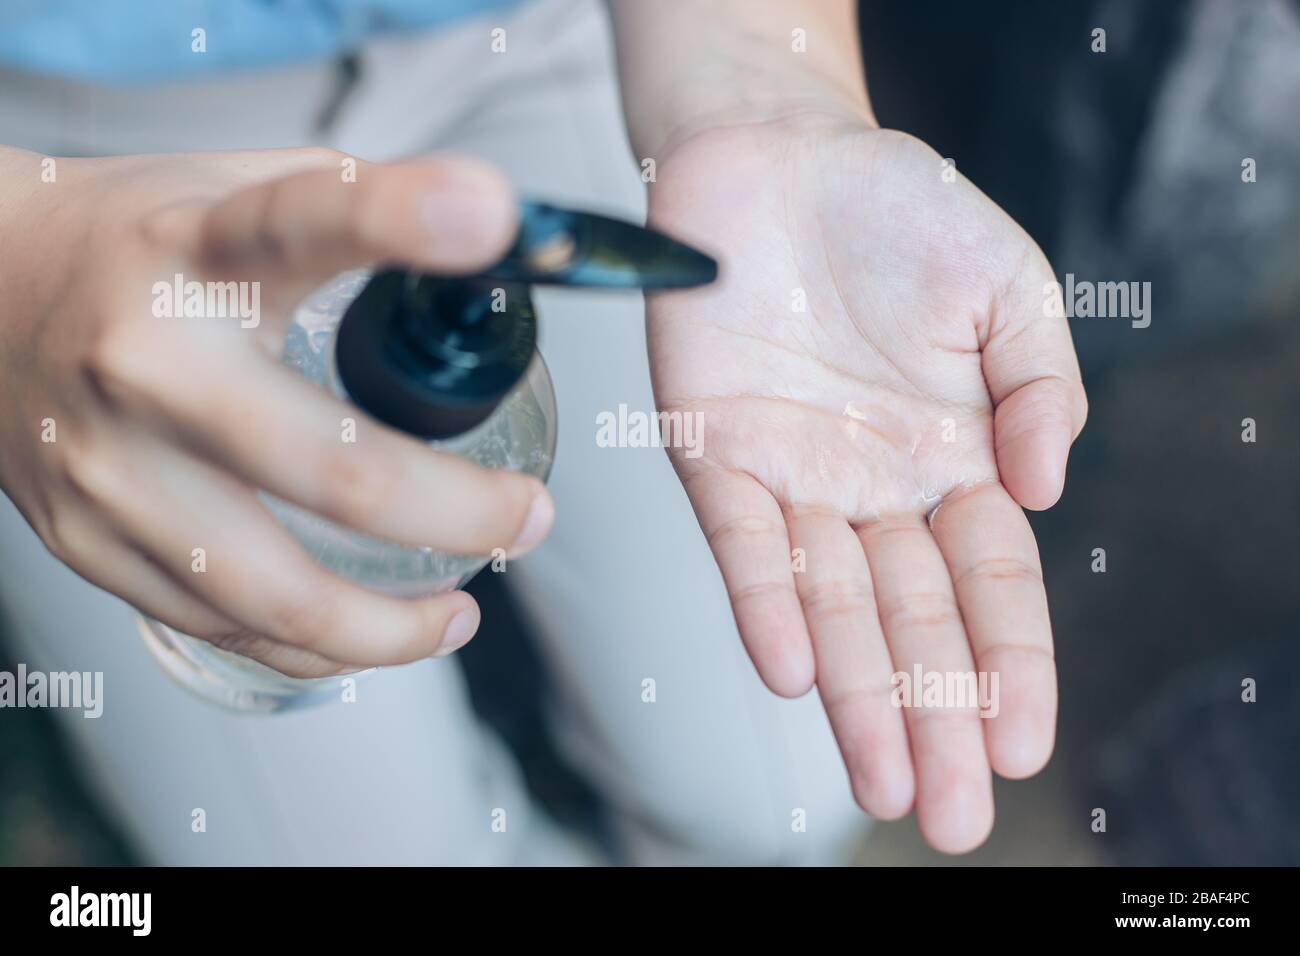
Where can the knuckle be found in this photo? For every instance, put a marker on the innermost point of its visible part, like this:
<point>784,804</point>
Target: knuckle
<point>923,612</point>
<point>1042,653</point>
<point>276,235</point>
<point>516,494</point>
<point>89,472</point>
<point>153,227</point>
<point>167,227</point>
<point>854,702</point>
<point>742,530</point>
<point>303,667</point>
<point>264,650</point>
<point>494,510</point>
<point>895,532</point>
<point>999,569</point>
<point>376,210</point>
<point>239,641</point>
<point>357,489</point>
<point>837,597</point>
<point>760,591</point>
<point>306,621</point>
<point>369,220</point>
<point>116,363</point>
<point>62,536</point>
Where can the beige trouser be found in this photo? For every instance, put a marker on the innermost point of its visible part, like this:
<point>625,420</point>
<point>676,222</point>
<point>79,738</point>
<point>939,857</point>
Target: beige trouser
<point>625,589</point>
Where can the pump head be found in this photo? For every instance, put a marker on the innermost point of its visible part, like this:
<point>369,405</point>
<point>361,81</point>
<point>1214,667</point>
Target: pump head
<point>435,355</point>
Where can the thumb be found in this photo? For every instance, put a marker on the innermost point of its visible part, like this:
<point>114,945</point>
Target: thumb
<point>1033,429</point>
<point>439,214</point>
<point>1033,379</point>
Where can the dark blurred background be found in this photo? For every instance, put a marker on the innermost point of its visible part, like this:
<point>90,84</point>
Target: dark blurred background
<point>1126,166</point>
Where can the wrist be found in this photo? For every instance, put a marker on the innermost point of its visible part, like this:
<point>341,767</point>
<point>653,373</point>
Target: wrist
<point>687,67</point>
<point>791,113</point>
<point>724,94</point>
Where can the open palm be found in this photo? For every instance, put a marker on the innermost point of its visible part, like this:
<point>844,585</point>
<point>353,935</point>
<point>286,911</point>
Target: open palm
<point>881,388</point>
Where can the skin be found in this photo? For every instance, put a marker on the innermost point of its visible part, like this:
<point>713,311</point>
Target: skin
<point>892,431</point>
<point>824,431</point>
<point>165,428</point>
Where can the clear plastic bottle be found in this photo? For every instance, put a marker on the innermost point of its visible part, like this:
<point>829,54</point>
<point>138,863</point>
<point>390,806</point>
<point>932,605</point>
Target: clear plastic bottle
<point>519,434</point>
<point>449,360</point>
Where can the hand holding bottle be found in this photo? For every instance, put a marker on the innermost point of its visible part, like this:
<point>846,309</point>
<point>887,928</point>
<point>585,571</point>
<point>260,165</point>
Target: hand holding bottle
<point>134,441</point>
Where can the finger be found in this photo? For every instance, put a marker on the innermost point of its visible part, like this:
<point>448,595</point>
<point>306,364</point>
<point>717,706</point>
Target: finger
<point>1033,378</point>
<point>123,570</point>
<point>258,575</point>
<point>918,611</point>
<point>225,634</point>
<point>993,559</point>
<point>207,530</point>
<point>106,562</point>
<point>853,663</point>
<point>378,481</point>
<point>288,660</point>
<point>155,592</point>
<point>746,530</point>
<point>442,214</point>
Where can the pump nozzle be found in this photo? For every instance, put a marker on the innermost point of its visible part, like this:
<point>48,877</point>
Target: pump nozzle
<point>434,355</point>
<point>570,248</point>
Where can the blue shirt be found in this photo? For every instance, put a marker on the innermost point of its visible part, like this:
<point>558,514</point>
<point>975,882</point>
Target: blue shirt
<point>145,41</point>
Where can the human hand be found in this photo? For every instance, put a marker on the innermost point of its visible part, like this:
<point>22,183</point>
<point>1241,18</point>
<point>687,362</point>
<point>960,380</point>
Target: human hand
<point>924,374</point>
<point>164,428</point>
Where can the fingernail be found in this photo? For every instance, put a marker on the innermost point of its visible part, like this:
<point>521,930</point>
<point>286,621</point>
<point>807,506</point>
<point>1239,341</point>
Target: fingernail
<point>540,515</point>
<point>470,224</point>
<point>458,633</point>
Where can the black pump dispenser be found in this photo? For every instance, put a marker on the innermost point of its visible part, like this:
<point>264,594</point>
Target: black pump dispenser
<point>428,355</point>
<point>435,355</point>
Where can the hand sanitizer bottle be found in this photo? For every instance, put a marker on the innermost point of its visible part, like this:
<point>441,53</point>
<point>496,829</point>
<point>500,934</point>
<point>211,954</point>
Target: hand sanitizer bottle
<point>452,361</point>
